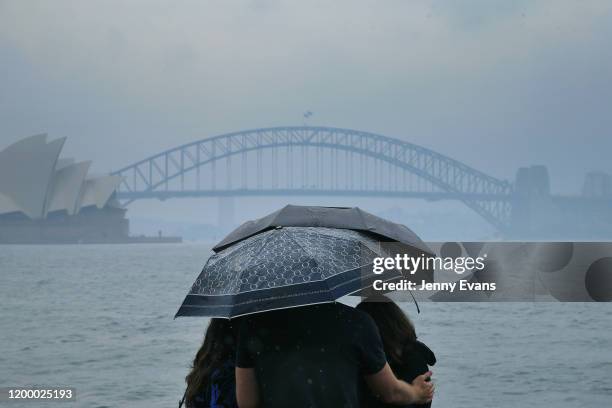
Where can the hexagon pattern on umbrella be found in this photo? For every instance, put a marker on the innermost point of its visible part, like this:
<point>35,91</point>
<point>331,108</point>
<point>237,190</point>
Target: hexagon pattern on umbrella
<point>284,267</point>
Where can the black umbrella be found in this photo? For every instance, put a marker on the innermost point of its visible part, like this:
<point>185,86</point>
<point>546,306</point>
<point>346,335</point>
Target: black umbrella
<point>284,267</point>
<point>352,218</point>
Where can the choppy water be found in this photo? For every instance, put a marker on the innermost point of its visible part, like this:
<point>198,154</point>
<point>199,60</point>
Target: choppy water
<point>100,319</point>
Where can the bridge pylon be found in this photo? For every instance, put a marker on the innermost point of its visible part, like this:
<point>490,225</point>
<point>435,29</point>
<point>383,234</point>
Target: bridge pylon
<point>226,213</point>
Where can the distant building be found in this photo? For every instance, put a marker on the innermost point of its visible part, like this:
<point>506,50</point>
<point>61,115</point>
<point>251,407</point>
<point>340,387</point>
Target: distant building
<point>597,184</point>
<point>47,199</point>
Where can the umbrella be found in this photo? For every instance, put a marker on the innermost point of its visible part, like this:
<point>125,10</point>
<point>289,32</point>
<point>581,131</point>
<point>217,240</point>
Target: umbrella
<point>332,217</point>
<point>284,267</point>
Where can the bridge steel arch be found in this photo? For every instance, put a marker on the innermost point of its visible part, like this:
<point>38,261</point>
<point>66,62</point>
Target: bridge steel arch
<point>486,195</point>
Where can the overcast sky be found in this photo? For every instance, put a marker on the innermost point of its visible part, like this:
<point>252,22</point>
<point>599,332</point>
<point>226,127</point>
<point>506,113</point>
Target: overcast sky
<point>495,84</point>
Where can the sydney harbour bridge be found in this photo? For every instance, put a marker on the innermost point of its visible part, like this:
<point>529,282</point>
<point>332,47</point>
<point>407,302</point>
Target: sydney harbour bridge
<point>321,161</point>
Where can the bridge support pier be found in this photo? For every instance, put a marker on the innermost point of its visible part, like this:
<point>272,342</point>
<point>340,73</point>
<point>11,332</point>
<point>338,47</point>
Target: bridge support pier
<point>226,213</point>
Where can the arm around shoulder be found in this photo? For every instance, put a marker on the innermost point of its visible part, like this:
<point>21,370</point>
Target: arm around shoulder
<point>385,385</point>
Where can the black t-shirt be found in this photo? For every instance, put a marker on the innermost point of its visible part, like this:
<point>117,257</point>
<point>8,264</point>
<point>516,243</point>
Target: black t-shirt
<point>313,356</point>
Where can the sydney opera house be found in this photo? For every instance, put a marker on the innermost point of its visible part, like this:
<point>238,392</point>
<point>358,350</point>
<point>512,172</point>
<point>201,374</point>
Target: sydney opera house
<point>48,199</point>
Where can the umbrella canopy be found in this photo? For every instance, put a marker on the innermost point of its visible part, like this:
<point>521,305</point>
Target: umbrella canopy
<point>352,218</point>
<point>284,267</point>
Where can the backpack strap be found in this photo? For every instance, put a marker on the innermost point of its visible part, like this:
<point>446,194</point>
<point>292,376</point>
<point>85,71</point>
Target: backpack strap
<point>182,401</point>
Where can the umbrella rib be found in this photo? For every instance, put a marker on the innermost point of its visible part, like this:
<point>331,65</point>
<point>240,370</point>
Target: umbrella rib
<point>304,249</point>
<point>298,244</point>
<point>261,248</point>
<point>365,226</point>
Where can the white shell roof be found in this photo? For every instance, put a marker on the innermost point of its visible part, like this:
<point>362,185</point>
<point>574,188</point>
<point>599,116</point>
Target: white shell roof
<point>7,205</point>
<point>64,162</point>
<point>67,186</point>
<point>26,170</point>
<point>97,191</point>
<point>34,181</point>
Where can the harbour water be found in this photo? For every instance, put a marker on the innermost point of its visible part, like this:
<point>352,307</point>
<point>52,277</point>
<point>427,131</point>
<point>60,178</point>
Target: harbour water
<point>99,318</point>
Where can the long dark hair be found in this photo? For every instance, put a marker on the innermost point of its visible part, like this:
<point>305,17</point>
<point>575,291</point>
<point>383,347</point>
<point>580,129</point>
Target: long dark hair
<point>396,329</point>
<point>219,345</point>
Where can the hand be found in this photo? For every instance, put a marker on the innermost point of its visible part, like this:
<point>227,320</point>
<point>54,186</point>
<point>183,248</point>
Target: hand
<point>424,388</point>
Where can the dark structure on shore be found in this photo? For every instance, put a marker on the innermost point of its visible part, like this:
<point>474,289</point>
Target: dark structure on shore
<point>45,199</point>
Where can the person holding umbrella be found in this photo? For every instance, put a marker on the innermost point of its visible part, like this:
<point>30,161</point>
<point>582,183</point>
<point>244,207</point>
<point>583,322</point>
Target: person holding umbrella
<point>317,356</point>
<point>285,273</point>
